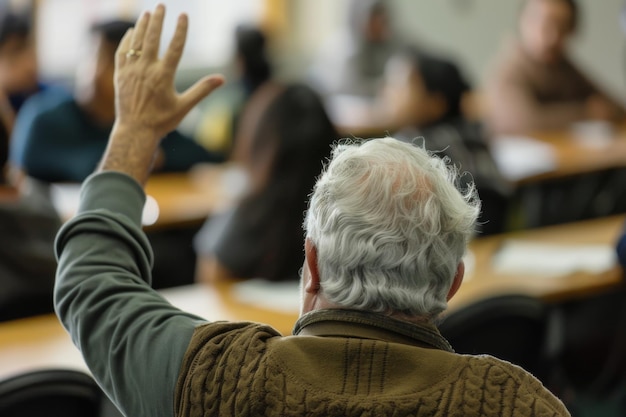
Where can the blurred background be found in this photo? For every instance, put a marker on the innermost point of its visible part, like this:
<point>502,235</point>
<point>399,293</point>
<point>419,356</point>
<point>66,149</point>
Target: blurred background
<point>470,30</point>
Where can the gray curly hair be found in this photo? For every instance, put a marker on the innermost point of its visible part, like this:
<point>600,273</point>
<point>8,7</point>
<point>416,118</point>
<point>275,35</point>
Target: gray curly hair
<point>390,227</point>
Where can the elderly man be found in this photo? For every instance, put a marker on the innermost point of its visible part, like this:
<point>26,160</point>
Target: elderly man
<point>386,232</point>
<point>534,84</point>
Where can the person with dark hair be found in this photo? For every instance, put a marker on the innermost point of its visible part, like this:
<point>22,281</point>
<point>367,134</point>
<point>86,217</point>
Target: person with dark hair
<point>63,140</point>
<point>284,137</point>
<point>18,73</point>
<point>217,129</point>
<point>18,60</point>
<point>535,85</point>
<point>423,95</point>
<point>251,59</point>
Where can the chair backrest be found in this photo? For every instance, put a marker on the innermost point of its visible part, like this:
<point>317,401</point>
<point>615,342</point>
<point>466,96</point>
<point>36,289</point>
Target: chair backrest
<point>509,327</point>
<point>50,393</point>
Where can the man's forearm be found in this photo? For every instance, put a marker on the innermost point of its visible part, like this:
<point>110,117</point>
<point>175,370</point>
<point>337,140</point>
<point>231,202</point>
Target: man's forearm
<point>131,151</point>
<point>102,297</point>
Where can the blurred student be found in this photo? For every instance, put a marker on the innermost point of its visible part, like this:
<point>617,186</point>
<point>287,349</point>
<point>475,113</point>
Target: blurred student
<point>284,137</point>
<point>535,85</point>
<point>218,126</point>
<point>18,71</point>
<point>28,226</point>
<point>64,141</point>
<point>18,65</point>
<point>423,94</point>
<point>28,221</point>
<point>355,63</point>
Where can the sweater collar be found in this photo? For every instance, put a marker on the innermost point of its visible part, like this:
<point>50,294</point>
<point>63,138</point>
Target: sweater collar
<point>369,325</point>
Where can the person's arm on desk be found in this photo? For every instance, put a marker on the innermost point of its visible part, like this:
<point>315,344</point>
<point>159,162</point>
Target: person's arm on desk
<point>132,340</point>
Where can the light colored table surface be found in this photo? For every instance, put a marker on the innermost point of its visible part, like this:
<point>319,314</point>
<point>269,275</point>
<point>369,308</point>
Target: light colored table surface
<point>580,149</point>
<point>173,199</point>
<point>577,154</point>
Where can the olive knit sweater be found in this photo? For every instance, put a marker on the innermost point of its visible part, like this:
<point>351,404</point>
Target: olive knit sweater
<point>348,363</point>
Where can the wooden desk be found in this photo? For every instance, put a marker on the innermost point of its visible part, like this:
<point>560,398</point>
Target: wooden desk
<point>174,199</point>
<point>575,157</point>
<point>41,341</point>
<point>484,281</point>
<point>188,198</point>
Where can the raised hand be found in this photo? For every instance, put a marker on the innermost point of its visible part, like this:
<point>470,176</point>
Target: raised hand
<point>147,104</point>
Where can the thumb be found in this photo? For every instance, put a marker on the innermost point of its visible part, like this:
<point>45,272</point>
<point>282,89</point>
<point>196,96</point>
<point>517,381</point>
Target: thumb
<point>202,88</point>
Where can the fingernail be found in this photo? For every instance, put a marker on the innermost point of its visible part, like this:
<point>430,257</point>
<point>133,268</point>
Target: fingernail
<point>214,82</point>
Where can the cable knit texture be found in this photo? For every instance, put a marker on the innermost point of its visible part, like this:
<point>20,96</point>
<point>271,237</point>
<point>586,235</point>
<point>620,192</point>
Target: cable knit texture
<point>246,369</point>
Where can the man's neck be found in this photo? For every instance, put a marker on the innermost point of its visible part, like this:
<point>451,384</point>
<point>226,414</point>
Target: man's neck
<point>325,305</point>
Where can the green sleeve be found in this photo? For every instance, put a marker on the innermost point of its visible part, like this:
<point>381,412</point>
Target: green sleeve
<point>132,339</point>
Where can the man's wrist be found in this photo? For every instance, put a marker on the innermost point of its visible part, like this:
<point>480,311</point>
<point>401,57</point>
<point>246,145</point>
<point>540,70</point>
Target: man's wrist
<point>131,150</point>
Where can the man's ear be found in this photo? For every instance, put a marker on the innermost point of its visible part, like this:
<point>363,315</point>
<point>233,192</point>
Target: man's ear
<point>456,282</point>
<point>310,256</point>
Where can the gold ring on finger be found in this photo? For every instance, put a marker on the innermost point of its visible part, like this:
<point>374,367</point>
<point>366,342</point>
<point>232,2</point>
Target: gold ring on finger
<point>133,53</point>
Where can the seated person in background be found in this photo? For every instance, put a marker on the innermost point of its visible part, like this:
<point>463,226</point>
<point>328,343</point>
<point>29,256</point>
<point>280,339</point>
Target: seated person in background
<point>535,85</point>
<point>423,95</point>
<point>386,231</point>
<point>28,225</point>
<point>217,128</point>
<point>284,137</point>
<point>18,65</point>
<point>18,73</point>
<point>65,141</point>
<point>355,63</point>
<point>28,221</point>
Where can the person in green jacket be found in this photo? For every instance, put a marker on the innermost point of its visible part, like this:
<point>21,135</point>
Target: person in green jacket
<point>386,231</point>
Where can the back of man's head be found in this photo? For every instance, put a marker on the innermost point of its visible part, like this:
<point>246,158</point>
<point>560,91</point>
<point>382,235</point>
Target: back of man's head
<point>390,228</point>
